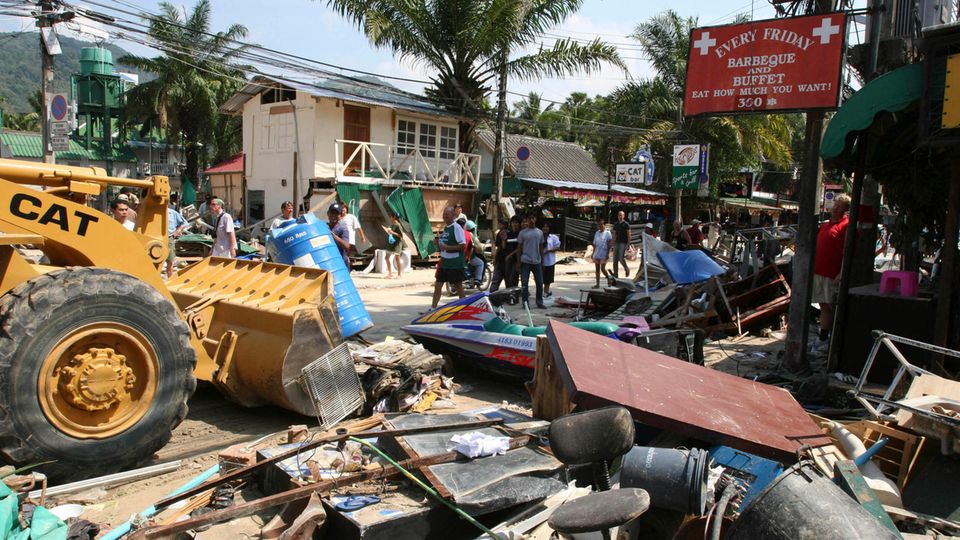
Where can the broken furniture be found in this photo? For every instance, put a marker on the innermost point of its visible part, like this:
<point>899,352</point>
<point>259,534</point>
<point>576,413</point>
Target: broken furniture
<point>921,409</point>
<point>870,309</point>
<point>731,307</point>
<point>676,396</point>
<point>596,438</point>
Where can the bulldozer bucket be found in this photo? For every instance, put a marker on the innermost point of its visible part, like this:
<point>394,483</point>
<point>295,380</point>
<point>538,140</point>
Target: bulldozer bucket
<point>259,325</point>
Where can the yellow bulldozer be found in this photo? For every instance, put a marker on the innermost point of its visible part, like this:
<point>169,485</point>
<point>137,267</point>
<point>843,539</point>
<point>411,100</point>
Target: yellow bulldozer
<point>99,355</point>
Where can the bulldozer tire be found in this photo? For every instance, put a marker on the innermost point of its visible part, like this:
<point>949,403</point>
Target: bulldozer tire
<point>96,368</point>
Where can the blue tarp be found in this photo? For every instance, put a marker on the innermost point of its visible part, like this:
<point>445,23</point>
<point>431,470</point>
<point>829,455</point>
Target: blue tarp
<point>689,266</point>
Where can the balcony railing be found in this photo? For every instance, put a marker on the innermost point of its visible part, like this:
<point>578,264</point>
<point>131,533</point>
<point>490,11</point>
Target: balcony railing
<point>163,169</point>
<point>393,165</point>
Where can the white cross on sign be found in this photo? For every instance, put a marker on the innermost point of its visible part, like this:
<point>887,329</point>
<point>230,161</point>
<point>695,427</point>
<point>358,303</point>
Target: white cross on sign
<point>704,43</point>
<point>825,31</point>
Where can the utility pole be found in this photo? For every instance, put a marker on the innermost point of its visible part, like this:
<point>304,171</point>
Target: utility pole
<point>500,138</point>
<point>46,76</point>
<point>795,350</point>
<point>610,151</point>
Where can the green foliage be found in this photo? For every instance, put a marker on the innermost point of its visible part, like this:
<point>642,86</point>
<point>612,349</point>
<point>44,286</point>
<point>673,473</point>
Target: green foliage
<point>20,68</point>
<point>22,122</point>
<point>465,43</point>
<point>190,84</point>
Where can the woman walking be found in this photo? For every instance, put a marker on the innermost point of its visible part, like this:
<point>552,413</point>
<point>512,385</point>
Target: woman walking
<point>601,249</point>
<point>396,244</point>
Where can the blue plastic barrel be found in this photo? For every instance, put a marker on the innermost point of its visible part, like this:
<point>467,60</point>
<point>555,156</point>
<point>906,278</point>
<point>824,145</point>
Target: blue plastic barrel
<point>310,243</point>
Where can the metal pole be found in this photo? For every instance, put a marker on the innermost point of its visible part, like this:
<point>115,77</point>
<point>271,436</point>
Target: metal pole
<point>46,75</point>
<point>610,151</point>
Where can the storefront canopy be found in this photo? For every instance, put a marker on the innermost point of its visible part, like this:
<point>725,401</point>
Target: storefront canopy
<point>563,189</point>
<point>891,92</point>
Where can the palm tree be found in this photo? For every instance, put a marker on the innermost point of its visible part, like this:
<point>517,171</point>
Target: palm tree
<point>526,113</point>
<point>22,122</point>
<point>467,42</point>
<point>191,78</point>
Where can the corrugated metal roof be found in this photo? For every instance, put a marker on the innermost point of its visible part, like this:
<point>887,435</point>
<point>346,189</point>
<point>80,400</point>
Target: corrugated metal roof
<point>549,160</point>
<point>23,144</point>
<point>234,164</point>
<point>351,90</point>
<point>563,184</point>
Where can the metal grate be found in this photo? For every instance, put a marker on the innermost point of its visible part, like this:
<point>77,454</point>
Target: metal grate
<point>333,385</point>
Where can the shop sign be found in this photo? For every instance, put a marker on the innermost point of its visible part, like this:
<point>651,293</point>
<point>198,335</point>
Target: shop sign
<point>686,166</point>
<point>789,64</point>
<point>630,173</point>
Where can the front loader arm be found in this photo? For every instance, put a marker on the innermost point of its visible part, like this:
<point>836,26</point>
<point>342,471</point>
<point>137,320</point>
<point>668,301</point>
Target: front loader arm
<point>74,234</point>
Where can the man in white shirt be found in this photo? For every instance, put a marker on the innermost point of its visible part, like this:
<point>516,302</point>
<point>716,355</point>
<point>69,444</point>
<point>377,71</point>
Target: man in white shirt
<point>286,216</point>
<point>224,237</point>
<point>353,225</point>
<point>121,213</point>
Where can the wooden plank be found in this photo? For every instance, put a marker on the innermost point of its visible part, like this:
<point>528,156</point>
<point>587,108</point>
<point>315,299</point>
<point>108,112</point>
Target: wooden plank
<point>848,477</point>
<point>680,397</point>
<point>547,392</point>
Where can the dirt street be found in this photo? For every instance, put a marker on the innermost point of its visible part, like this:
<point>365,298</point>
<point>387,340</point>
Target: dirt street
<point>214,423</point>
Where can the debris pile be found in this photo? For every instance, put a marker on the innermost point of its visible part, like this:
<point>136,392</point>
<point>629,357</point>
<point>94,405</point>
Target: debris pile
<point>398,376</point>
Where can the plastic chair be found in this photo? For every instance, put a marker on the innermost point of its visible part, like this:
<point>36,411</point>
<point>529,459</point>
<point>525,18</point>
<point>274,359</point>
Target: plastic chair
<point>596,437</point>
<point>906,283</point>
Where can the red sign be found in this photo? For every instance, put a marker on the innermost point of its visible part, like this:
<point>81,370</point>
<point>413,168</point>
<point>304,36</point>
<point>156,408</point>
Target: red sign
<point>775,65</point>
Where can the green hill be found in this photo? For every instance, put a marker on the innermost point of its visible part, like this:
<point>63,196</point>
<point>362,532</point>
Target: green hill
<point>20,67</point>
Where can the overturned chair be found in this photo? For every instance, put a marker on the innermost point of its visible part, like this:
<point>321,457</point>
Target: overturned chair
<point>596,438</point>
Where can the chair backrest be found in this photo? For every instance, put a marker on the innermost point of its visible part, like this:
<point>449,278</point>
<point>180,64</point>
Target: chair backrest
<point>592,436</point>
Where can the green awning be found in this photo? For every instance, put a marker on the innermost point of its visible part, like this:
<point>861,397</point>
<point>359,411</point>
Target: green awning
<point>890,92</point>
<point>511,185</point>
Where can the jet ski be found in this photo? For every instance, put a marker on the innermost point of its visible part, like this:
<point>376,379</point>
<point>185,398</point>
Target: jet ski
<point>475,329</point>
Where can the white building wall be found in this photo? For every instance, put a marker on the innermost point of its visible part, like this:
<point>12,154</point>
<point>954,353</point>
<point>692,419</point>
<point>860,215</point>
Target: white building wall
<point>270,144</point>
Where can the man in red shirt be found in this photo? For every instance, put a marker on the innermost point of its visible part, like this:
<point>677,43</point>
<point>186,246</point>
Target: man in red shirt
<point>826,268</point>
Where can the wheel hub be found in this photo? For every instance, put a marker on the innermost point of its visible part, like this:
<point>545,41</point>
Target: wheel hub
<point>96,380</point>
<point>99,380</point>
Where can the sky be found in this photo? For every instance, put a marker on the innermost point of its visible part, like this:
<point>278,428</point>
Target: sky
<point>311,29</point>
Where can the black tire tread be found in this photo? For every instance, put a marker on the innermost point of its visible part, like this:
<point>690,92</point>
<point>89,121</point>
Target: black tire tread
<point>25,307</point>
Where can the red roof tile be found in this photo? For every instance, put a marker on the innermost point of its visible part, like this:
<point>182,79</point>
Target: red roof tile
<point>234,164</point>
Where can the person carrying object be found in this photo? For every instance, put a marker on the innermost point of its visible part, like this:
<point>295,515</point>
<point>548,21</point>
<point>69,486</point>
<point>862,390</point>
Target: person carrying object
<point>395,243</point>
<point>477,262</point>
<point>339,232</point>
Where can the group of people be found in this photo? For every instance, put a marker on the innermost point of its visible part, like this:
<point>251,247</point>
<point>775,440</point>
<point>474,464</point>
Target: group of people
<point>123,209</point>
<point>617,243</point>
